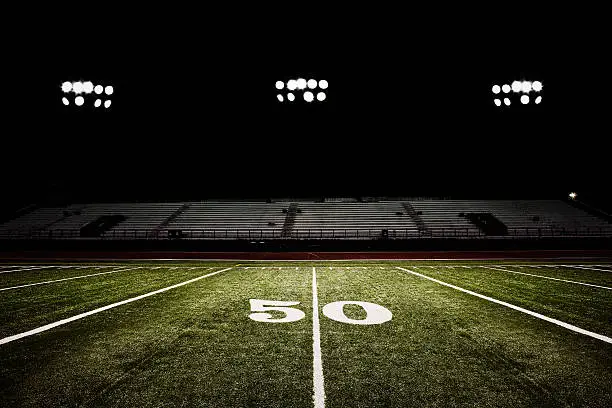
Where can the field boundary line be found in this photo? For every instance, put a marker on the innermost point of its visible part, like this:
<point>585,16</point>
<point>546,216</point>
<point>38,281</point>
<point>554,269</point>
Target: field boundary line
<point>317,360</point>
<point>583,267</point>
<point>101,309</point>
<point>518,308</point>
<point>28,269</point>
<point>67,279</point>
<point>548,277</point>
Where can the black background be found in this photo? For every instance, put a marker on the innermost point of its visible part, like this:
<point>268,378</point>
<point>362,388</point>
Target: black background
<point>409,109</point>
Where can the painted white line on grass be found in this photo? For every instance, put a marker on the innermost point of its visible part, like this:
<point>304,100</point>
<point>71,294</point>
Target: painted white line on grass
<point>101,309</point>
<point>27,269</point>
<point>548,277</point>
<point>318,396</point>
<point>518,308</point>
<point>577,267</point>
<point>66,279</point>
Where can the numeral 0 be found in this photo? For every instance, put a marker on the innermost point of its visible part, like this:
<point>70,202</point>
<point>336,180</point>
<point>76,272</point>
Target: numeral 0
<point>375,314</point>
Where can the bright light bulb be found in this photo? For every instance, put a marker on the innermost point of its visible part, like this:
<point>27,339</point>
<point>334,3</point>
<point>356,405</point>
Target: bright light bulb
<point>79,101</point>
<point>107,104</point>
<point>516,86</point>
<point>280,98</point>
<point>506,88</point>
<point>291,97</point>
<point>109,90</point>
<point>497,102</point>
<point>97,103</point>
<point>321,96</point>
<point>301,83</point>
<point>88,87</point>
<point>323,84</point>
<point>65,101</point>
<point>312,84</point>
<point>507,101</point>
<point>77,87</point>
<point>67,87</point>
<point>496,89</point>
<point>291,84</point>
<point>526,86</point>
<point>536,86</point>
<point>280,85</point>
<point>524,99</point>
<point>308,96</point>
<point>99,89</point>
<point>538,100</point>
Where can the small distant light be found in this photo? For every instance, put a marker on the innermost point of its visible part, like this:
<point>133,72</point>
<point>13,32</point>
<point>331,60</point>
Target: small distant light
<point>536,86</point>
<point>107,104</point>
<point>323,84</point>
<point>573,195</point>
<point>312,83</point>
<point>79,101</point>
<point>321,96</point>
<point>67,87</point>
<point>516,86</point>
<point>99,89</point>
<point>280,85</point>
<point>308,96</point>
<point>291,84</point>
<point>77,87</point>
<point>524,99</point>
<point>280,97</point>
<point>496,89</point>
<point>506,88</point>
<point>291,97</point>
<point>538,100</point>
<point>526,86</point>
<point>88,87</point>
<point>497,102</point>
<point>65,101</point>
<point>301,83</point>
<point>97,103</point>
<point>507,101</point>
<point>109,90</point>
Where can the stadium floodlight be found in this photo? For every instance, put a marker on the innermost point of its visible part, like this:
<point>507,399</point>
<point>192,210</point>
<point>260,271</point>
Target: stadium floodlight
<point>321,96</point>
<point>107,104</point>
<point>280,85</point>
<point>291,84</point>
<point>572,195</point>
<point>79,101</point>
<point>496,89</point>
<point>312,83</point>
<point>99,89</point>
<point>88,87</point>
<point>497,102</point>
<point>291,97</point>
<point>323,84</point>
<point>538,100</point>
<point>109,90</point>
<point>65,101</point>
<point>66,87</point>
<point>516,86</point>
<point>301,83</point>
<point>536,86</point>
<point>97,103</point>
<point>280,97</point>
<point>308,96</point>
<point>506,88</point>
<point>77,87</point>
<point>526,86</point>
<point>507,101</point>
<point>524,99</point>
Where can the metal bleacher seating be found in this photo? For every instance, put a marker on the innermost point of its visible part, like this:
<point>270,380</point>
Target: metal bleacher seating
<point>302,219</point>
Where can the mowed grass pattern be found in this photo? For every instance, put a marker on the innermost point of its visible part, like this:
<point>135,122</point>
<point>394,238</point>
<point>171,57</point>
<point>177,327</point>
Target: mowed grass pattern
<point>195,346</point>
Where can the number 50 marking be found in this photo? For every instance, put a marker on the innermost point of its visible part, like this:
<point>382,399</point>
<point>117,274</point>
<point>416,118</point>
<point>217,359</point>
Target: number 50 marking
<point>375,314</point>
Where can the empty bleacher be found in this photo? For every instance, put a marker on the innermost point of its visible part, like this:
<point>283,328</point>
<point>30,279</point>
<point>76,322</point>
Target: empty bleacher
<point>328,219</point>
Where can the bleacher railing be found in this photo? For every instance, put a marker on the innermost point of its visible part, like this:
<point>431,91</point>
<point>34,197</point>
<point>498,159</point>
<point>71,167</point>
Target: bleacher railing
<point>311,233</point>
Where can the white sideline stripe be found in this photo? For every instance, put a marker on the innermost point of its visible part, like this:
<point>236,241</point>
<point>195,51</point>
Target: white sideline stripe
<point>66,279</point>
<point>26,269</point>
<point>548,277</point>
<point>520,309</point>
<point>101,309</point>
<point>318,396</point>
<point>581,267</point>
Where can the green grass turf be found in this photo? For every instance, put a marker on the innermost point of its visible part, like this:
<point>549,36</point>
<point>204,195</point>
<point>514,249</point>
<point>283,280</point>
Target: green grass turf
<point>195,345</point>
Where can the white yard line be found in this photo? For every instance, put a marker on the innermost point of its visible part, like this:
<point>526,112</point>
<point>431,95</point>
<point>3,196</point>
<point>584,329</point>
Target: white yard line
<point>66,279</point>
<point>520,309</point>
<point>577,267</point>
<point>318,396</point>
<point>27,269</point>
<point>101,309</point>
<point>548,277</point>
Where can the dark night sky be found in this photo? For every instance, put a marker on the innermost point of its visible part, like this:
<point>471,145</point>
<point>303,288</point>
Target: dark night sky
<point>409,109</point>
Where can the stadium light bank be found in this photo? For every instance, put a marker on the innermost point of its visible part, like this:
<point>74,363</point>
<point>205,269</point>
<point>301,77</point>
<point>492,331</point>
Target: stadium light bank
<point>83,89</point>
<point>517,87</point>
<point>306,87</point>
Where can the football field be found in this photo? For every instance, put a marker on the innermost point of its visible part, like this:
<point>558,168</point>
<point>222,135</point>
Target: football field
<point>306,334</point>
